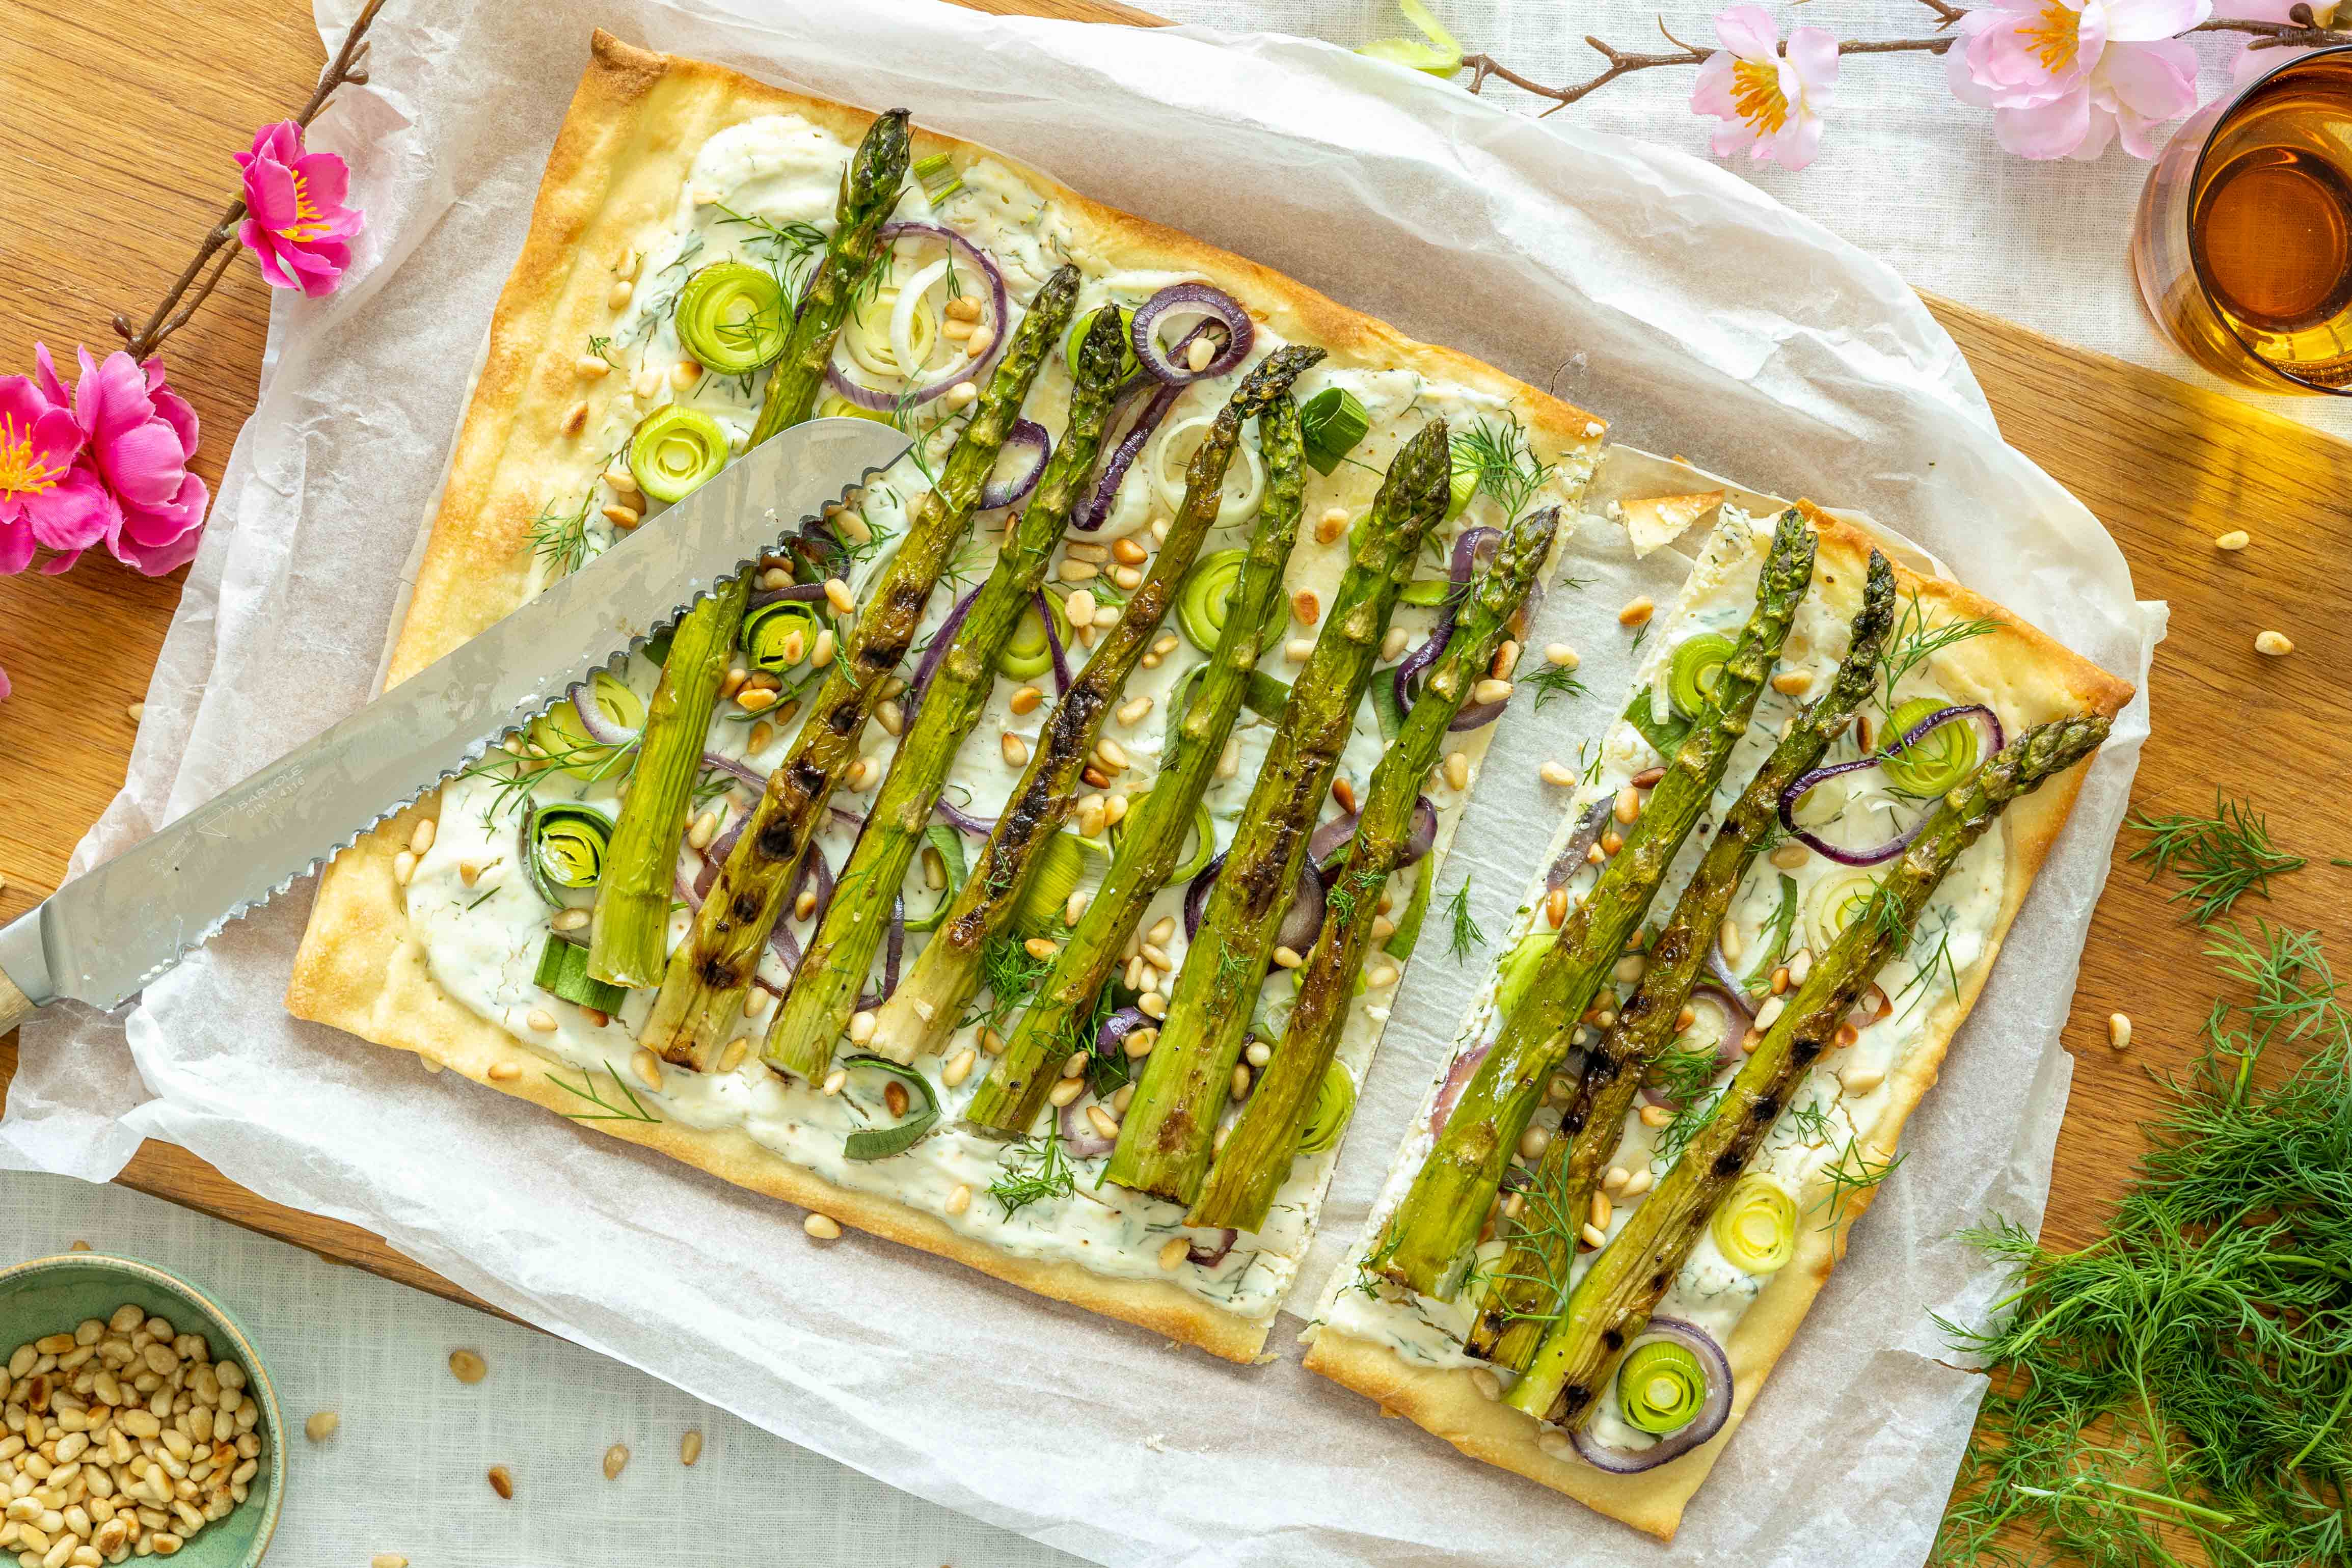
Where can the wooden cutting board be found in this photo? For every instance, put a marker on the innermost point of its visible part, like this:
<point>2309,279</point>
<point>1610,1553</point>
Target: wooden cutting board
<point>120,126</point>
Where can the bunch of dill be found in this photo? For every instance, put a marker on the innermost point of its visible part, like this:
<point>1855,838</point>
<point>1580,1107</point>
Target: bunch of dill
<point>2181,1392</point>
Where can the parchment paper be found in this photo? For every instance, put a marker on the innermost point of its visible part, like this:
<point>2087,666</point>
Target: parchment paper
<point>1704,318</point>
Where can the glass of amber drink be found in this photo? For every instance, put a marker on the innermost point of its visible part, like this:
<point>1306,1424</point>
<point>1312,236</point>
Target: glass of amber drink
<point>2243,243</point>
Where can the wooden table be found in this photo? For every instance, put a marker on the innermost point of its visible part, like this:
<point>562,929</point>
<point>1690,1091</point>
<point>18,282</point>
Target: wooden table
<point>118,130</point>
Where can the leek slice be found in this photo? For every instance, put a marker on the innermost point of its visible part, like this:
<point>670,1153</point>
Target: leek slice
<point>1835,903</point>
<point>1335,1102</point>
<point>1942,760</point>
<point>945,842</point>
<point>881,1143</point>
<point>1782,925</point>
<point>568,844</point>
<point>1407,930</point>
<point>1694,671</point>
<point>1206,592</point>
<point>732,316</point>
<point>559,733</point>
<point>1128,365</point>
<point>563,971</point>
<point>675,450</point>
<point>869,334</point>
<point>1665,737</point>
<point>768,635</point>
<point>1755,1228</point>
<point>1062,864</point>
<point>1332,422</point>
<point>1660,1386</point>
<point>1026,655</point>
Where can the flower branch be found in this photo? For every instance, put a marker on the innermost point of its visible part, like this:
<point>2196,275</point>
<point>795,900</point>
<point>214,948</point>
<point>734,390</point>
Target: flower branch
<point>218,250</point>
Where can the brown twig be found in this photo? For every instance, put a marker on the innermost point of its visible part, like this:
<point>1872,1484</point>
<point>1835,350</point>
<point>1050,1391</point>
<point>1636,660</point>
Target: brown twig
<point>2302,30</point>
<point>218,248</point>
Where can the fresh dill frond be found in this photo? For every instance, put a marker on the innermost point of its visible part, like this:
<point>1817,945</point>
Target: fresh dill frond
<point>657,295</point>
<point>602,348</point>
<point>561,538</point>
<point>1681,1075</point>
<point>1031,1172</point>
<point>789,249</point>
<point>1011,974</point>
<point>2218,858</point>
<point>517,776</point>
<point>1552,681</point>
<point>1850,1174</point>
<point>1689,1117</point>
<point>1640,634</point>
<point>1918,637</point>
<point>1463,936</point>
<point>1348,894</point>
<point>1507,466</point>
<point>606,1109</point>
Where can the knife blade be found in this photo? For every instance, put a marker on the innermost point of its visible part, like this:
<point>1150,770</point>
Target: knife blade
<point>104,935</point>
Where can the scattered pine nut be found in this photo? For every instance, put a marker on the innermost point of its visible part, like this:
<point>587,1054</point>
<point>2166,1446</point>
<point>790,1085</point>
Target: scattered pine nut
<point>540,1019</point>
<point>1392,645</point>
<point>1173,1251</point>
<point>616,1458</point>
<point>404,867</point>
<point>505,1072</point>
<point>502,1482</point>
<point>1296,650</point>
<point>822,1227</point>
<point>1381,977</point>
<point>468,1367</point>
<point>1331,525</point>
<point>690,1447</point>
<point>2236,539</point>
<point>1306,608</point>
<point>1591,1236</point>
<point>1287,957</point>
<point>321,1425</point>
<point>1637,613</point>
<point>834,1081</point>
<point>1655,1116</point>
<point>837,594</point>
<point>2119,1030</point>
<point>1078,571</point>
<point>1458,770</point>
<point>1041,948</point>
<point>1560,656</point>
<point>1628,809</point>
<point>647,1067</point>
<point>1080,607</point>
<point>959,1068</point>
<point>1065,1091</point>
<point>1557,774</point>
<point>1132,710</point>
<point>1491,691</point>
<point>1789,856</point>
<point>1015,750</point>
<point>861,1027</point>
<point>1794,682</point>
<point>2276,645</point>
<point>962,394</point>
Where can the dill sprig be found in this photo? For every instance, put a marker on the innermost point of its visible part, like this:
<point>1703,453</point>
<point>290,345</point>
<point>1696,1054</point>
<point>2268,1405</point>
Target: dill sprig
<point>1011,974</point>
<point>1507,466</point>
<point>2218,858</point>
<point>518,775</point>
<point>606,1109</point>
<point>1552,681</point>
<point>2181,1390</point>
<point>1918,638</point>
<point>1850,1174</point>
<point>1463,936</point>
<point>561,538</point>
<point>1031,1172</point>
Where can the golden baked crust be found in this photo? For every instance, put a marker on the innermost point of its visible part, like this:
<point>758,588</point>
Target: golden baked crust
<point>622,157</point>
<point>2026,677</point>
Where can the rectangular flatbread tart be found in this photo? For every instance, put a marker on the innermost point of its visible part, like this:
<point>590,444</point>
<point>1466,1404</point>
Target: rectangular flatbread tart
<point>1018,863</point>
<point>1778,888</point>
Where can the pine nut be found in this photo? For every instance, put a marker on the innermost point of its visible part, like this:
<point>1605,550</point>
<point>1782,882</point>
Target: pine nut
<point>321,1425</point>
<point>1331,525</point>
<point>834,1081</point>
<point>690,1446</point>
<point>1794,682</point>
<point>984,338</point>
<point>1655,1116</point>
<point>1392,645</point>
<point>1591,1236</point>
<point>959,1068</point>
<point>1111,754</point>
<point>1287,958</point>
<point>1133,709</point>
<point>2236,539</point>
<point>1771,1012</point>
<point>1557,774</point>
<point>1173,1251</point>
<point>1861,1080</point>
<point>1241,1081</point>
<point>540,1019</point>
<point>616,1458</point>
<point>991,1042</point>
<point>1381,977</point>
<point>1258,1054</point>
<point>1102,1122</point>
<point>1601,1210</point>
<point>1296,650</point>
<point>1015,750</point>
<point>2119,1030</point>
<point>1458,770</point>
<point>1555,907</point>
<point>838,595</point>
<point>1628,809</point>
<point>1560,656</point>
<point>1041,947</point>
<point>963,394</point>
<point>1115,811</point>
<point>1075,1065</point>
<point>1533,1143</point>
<point>806,905</point>
<point>1636,613</point>
<point>1799,965</point>
<point>387,1560</point>
<point>404,867</point>
<point>1153,1004</point>
<point>468,1367</point>
<point>1491,691</point>
<point>647,1067</point>
<point>2276,645</point>
<point>1080,607</point>
<point>820,1226</point>
<point>1789,856</point>
<point>959,1199</point>
<point>861,1027</point>
<point>1078,571</point>
<point>1140,1043</point>
<point>502,1481</point>
<point>1229,761</point>
<point>1065,1091</point>
<point>1630,968</point>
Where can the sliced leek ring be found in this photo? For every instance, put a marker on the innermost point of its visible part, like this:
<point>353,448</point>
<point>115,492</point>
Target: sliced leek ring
<point>1026,655</point>
<point>732,317</point>
<point>1696,670</point>
<point>1943,759</point>
<point>1203,597</point>
<point>1755,1228</point>
<point>1335,1102</point>
<point>676,450</point>
<point>1661,1386</point>
<point>1835,902</point>
<point>1173,447</point>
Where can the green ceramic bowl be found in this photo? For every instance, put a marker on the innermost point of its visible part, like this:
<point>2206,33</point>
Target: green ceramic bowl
<point>50,1295</point>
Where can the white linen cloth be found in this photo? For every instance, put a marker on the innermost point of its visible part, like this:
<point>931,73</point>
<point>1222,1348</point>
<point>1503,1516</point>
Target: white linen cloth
<point>1700,315</point>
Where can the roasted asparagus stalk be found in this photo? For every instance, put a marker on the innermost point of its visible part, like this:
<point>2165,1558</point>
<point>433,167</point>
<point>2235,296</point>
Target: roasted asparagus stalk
<point>928,1004</point>
<point>1251,1168</point>
<point>1014,1094</point>
<point>1163,1142</point>
<point>825,988</point>
<point>1613,1301</point>
<point>869,191</point>
<point>1433,1230</point>
<point>701,999</point>
<point>1525,1291</point>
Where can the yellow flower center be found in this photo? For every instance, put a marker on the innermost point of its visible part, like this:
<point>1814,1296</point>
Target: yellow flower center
<point>2054,36</point>
<point>1756,93</point>
<point>22,471</point>
<point>305,225</point>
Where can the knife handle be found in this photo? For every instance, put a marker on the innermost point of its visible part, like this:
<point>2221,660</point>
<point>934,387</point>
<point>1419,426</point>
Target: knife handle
<point>15,1006</point>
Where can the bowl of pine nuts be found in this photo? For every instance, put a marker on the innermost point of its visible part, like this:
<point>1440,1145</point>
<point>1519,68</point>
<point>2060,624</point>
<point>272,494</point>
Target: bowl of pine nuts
<point>136,1419</point>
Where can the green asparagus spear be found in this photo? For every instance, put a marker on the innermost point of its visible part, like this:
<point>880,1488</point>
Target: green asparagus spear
<point>869,191</point>
<point>701,998</point>
<point>628,937</point>
<point>1612,1303</point>
<point>824,991</point>
<point>1013,1095</point>
<point>1163,1142</point>
<point>1432,1231</point>
<point>625,943</point>
<point>1525,1291</point>
<point>1255,1160</point>
<point>924,1011</point>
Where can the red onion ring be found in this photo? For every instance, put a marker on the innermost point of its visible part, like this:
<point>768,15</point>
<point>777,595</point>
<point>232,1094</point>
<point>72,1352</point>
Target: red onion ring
<point>804,592</point>
<point>1112,1035</point>
<point>1457,1079</point>
<point>1988,728</point>
<point>1210,1256</point>
<point>1302,922</point>
<point>601,730</point>
<point>1459,566</point>
<point>1054,647</point>
<point>1712,1414</point>
<point>1078,1135</point>
<point>1095,510</point>
<point>1026,434</point>
<point>1580,845</point>
<point>881,401</point>
<point>962,821</point>
<point>1736,1022</point>
<point>933,652</point>
<point>1720,968</point>
<point>1332,835</point>
<point>1184,299</point>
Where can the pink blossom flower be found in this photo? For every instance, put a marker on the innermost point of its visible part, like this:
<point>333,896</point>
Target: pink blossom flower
<point>141,434</point>
<point>1770,102</point>
<point>2251,62</point>
<point>297,223</point>
<point>47,498</point>
<point>2065,77</point>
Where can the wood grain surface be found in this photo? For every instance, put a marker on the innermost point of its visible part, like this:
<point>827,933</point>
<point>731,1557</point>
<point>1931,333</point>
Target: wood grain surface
<point>117,126</point>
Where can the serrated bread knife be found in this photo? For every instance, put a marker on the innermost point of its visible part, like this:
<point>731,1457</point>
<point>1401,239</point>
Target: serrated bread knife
<point>104,935</point>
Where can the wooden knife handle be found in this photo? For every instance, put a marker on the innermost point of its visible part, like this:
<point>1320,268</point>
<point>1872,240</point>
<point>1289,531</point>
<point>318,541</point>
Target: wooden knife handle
<point>15,1006</point>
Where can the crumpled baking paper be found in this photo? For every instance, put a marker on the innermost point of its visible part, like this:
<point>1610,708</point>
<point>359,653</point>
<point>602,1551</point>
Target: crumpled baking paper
<point>1705,319</point>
